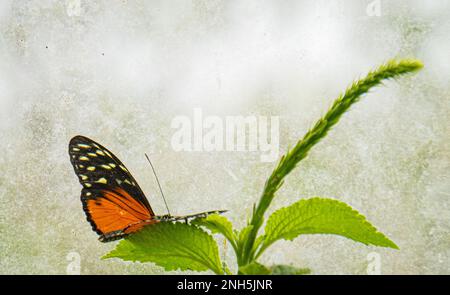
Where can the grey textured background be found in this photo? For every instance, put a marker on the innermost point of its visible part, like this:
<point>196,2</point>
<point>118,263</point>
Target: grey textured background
<point>119,71</point>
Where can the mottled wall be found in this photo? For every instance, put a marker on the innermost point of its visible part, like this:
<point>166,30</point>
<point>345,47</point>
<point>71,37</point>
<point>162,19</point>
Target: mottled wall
<point>119,71</point>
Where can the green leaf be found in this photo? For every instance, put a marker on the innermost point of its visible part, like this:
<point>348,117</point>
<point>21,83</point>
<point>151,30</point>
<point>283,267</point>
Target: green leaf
<point>172,246</point>
<point>218,224</point>
<point>242,239</point>
<point>390,70</point>
<point>243,234</point>
<point>322,216</point>
<point>254,268</point>
<point>281,269</point>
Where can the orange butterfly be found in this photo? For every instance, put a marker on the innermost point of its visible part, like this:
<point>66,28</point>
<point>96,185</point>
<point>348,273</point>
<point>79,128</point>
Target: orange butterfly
<point>113,202</point>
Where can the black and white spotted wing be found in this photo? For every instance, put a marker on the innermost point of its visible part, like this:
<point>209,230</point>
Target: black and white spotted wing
<point>113,202</point>
<point>111,197</point>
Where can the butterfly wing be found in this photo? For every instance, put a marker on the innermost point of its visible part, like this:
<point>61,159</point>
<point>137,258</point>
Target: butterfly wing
<point>112,200</point>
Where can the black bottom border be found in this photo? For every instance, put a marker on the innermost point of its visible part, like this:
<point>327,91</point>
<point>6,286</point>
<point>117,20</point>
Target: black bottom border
<point>182,284</point>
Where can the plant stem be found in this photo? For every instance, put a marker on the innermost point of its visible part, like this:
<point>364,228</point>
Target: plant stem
<point>391,69</point>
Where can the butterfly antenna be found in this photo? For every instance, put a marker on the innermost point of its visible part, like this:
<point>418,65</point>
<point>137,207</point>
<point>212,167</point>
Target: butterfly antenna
<point>159,185</point>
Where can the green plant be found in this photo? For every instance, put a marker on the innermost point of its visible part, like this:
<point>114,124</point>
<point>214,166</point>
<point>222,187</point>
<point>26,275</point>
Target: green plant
<point>189,246</point>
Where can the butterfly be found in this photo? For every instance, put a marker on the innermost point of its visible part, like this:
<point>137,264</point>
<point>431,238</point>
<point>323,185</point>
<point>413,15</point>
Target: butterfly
<point>114,204</point>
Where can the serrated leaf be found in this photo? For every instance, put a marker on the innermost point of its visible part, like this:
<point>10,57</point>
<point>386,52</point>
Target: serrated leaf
<point>242,238</point>
<point>218,224</point>
<point>322,216</point>
<point>254,268</point>
<point>243,234</point>
<point>172,246</point>
<point>281,269</point>
<point>390,70</point>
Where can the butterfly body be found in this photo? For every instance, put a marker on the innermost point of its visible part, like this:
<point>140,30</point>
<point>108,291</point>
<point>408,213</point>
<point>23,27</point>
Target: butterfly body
<point>113,202</point>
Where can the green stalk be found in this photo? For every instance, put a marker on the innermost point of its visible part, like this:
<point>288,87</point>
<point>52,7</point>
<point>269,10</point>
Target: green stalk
<point>288,162</point>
